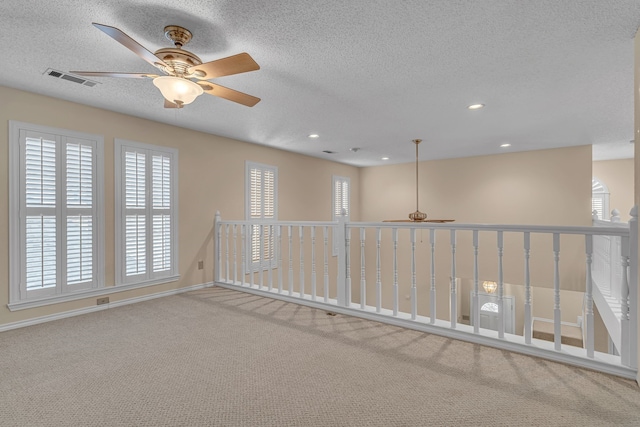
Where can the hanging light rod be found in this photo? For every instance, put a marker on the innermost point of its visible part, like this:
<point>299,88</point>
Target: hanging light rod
<point>417,215</point>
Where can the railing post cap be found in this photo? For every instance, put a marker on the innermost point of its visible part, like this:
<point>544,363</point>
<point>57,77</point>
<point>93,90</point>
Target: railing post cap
<point>594,214</point>
<point>634,212</point>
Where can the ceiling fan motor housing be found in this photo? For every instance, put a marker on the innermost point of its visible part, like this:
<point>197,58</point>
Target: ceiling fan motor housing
<point>179,60</point>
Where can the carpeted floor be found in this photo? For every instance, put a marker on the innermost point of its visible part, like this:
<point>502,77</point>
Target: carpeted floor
<point>217,357</point>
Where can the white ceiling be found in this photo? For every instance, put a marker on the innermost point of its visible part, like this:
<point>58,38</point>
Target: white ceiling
<point>372,74</point>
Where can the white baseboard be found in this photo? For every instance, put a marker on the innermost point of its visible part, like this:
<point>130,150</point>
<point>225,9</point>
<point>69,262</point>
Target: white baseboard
<point>85,310</point>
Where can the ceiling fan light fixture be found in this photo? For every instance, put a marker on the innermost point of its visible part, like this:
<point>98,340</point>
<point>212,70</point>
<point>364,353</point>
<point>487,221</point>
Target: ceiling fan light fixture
<point>178,90</point>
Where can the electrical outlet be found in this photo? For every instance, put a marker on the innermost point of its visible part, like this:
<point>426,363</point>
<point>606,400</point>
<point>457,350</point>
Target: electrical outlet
<point>200,265</point>
<point>104,300</point>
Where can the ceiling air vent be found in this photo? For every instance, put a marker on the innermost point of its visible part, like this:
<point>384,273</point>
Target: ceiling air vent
<point>70,77</point>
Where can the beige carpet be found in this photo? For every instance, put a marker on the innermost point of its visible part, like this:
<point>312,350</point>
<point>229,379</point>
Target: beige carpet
<point>223,358</point>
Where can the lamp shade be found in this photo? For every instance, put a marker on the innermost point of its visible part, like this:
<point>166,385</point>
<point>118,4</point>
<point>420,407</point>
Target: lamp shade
<point>178,90</point>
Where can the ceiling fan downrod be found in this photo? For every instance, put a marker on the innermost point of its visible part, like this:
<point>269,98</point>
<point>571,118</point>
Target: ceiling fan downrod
<point>417,215</point>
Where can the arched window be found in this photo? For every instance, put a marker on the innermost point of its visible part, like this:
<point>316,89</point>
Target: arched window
<point>491,307</point>
<point>599,198</point>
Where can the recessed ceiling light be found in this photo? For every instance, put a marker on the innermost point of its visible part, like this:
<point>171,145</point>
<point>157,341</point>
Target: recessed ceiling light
<point>505,145</point>
<point>314,135</point>
<point>384,158</point>
<point>475,106</point>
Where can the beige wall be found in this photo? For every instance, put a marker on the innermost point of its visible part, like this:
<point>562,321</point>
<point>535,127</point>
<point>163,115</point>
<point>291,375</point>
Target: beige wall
<point>534,187</point>
<point>617,175</point>
<point>211,177</point>
<point>546,187</point>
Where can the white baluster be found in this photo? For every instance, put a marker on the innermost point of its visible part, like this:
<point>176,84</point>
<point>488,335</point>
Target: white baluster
<point>414,292</point>
<point>218,256</point>
<point>313,262</point>
<point>432,295</point>
<point>261,256</point>
<point>235,254</point>
<point>500,286</point>
<point>363,282</point>
<point>290,283</point>
<point>226,252</point>
<point>243,243</point>
<point>301,233</point>
<point>557,316</point>
<point>250,260</point>
<point>394,236</point>
<point>347,238</point>
<point>625,338</point>
<point>378,274</point>
<point>475,309</point>
<point>271,255</point>
<point>633,288</point>
<point>454,292</point>
<point>279,257</point>
<point>341,278</point>
<point>528,319</point>
<point>589,296</point>
<point>325,235</point>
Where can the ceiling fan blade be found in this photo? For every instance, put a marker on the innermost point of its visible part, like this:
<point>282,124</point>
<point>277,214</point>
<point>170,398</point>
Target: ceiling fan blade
<point>130,44</point>
<point>110,74</point>
<point>240,63</point>
<point>229,94</point>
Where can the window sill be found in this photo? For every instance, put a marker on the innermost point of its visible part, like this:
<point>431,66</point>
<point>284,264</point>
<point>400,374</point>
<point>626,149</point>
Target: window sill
<point>27,304</point>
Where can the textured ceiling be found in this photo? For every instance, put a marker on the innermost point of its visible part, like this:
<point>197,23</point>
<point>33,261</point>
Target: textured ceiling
<point>372,74</point>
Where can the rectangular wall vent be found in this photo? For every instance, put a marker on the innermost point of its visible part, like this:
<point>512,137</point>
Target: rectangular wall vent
<point>70,77</point>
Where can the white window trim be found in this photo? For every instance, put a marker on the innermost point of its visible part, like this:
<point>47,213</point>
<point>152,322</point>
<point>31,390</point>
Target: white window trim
<point>334,216</point>
<point>255,266</point>
<point>15,231</point>
<point>173,274</point>
<point>604,195</point>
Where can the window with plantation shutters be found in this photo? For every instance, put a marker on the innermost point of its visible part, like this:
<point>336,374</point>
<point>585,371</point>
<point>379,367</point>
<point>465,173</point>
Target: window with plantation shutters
<point>261,207</point>
<point>146,202</point>
<point>341,195</point>
<point>56,207</point>
<point>599,198</point>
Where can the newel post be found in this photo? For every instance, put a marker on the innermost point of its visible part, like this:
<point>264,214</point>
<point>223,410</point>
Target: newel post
<point>633,287</point>
<point>615,215</point>
<point>340,236</point>
<point>216,251</point>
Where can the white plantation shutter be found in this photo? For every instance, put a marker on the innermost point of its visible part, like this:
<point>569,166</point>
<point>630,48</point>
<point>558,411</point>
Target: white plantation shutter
<point>135,231</point>
<point>146,196</point>
<point>161,184</point>
<point>54,210</point>
<point>262,201</point>
<point>599,198</point>
<point>341,195</point>
<point>41,263</point>
<point>41,260</point>
<point>135,237</point>
<point>80,230</point>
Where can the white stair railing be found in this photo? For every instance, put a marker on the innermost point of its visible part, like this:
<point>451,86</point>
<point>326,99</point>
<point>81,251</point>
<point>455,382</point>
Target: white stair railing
<point>398,268</point>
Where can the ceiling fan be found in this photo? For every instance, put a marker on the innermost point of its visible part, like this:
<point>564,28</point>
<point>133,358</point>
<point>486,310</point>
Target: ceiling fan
<point>185,75</point>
